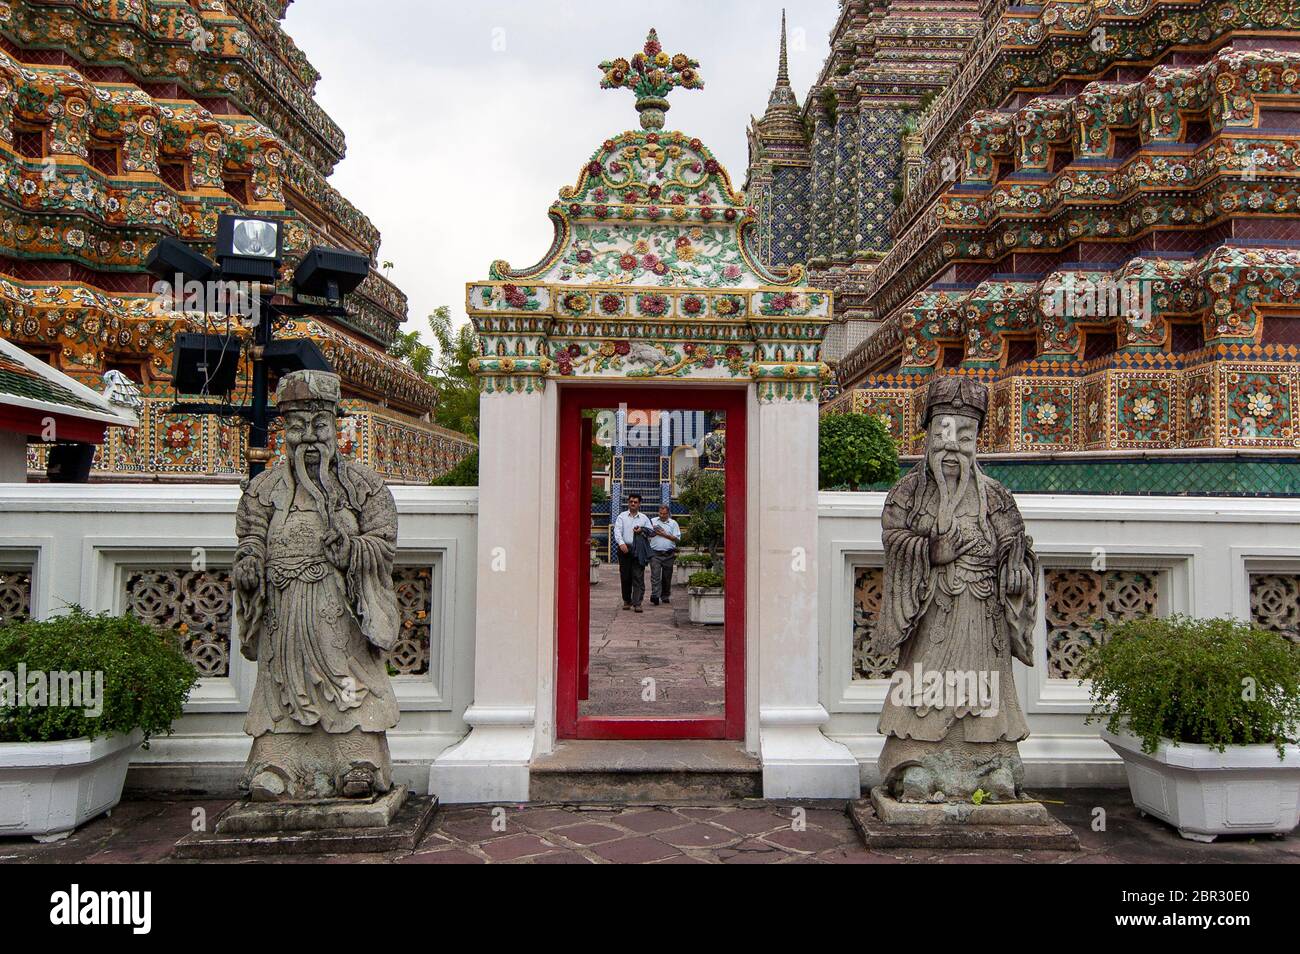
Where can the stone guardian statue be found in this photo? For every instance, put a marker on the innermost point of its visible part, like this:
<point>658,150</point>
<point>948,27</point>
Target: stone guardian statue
<point>959,603</point>
<point>314,576</point>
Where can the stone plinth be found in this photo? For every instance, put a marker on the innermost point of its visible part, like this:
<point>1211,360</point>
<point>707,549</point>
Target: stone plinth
<point>394,821</point>
<point>884,822</point>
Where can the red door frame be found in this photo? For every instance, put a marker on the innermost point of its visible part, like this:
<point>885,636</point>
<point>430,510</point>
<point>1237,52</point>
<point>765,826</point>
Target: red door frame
<point>573,578</point>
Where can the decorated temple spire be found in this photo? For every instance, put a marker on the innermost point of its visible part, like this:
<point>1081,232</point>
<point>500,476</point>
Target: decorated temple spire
<point>783,62</point>
<point>782,105</point>
<point>651,75</point>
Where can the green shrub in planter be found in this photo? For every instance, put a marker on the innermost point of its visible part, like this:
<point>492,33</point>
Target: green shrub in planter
<point>1215,682</point>
<point>855,450</point>
<point>146,676</point>
<point>695,559</point>
<point>707,579</point>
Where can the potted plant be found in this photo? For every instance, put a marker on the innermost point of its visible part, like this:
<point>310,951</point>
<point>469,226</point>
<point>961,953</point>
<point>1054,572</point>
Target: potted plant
<point>708,599</point>
<point>703,494</point>
<point>594,578</point>
<point>689,563</point>
<point>1204,713</point>
<point>855,450</point>
<point>78,695</point>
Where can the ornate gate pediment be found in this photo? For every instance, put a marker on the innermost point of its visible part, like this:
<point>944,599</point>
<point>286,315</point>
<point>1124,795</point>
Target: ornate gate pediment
<point>651,274</point>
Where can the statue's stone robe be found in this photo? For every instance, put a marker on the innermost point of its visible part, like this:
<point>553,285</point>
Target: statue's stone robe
<point>958,619</point>
<point>320,663</point>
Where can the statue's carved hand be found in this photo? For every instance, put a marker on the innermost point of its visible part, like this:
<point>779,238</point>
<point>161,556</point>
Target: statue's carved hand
<point>948,547</point>
<point>1016,576</point>
<point>248,572</point>
<point>1015,580</point>
<point>338,547</point>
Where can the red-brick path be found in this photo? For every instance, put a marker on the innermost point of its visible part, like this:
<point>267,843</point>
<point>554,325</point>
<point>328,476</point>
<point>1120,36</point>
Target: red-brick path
<point>684,659</point>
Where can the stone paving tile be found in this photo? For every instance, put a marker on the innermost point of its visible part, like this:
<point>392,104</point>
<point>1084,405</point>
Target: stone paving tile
<point>647,820</point>
<point>696,836</point>
<point>749,821</point>
<point>752,851</point>
<point>809,840</point>
<point>589,834</point>
<point>635,850</point>
<point>512,847</point>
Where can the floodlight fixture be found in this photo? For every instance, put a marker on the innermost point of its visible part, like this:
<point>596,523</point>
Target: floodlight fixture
<point>330,273</point>
<point>295,354</point>
<point>205,364</point>
<point>249,248</point>
<point>172,257</point>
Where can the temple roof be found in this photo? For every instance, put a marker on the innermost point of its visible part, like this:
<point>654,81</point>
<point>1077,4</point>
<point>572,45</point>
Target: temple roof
<point>27,382</point>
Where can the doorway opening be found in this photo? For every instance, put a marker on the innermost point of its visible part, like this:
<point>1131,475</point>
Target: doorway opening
<point>651,493</point>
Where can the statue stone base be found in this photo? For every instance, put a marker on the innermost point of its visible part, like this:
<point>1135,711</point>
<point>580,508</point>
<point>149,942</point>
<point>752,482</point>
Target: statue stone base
<point>392,821</point>
<point>885,822</point>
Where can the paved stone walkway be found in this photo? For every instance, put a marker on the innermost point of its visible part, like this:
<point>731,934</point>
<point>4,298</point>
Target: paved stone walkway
<point>685,659</point>
<point>749,832</point>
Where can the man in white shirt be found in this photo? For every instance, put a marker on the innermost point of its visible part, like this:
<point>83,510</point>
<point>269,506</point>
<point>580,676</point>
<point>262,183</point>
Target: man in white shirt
<point>631,571</point>
<point>665,534</point>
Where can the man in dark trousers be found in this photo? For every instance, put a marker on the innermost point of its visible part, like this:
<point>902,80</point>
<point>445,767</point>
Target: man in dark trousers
<point>630,525</point>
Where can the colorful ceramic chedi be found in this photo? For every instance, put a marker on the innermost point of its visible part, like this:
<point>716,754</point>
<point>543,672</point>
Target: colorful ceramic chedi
<point>1090,207</point>
<point>118,128</point>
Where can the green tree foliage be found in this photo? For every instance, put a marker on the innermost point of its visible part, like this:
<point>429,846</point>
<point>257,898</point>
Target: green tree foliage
<point>855,450</point>
<point>146,676</point>
<point>703,493</point>
<point>445,363</point>
<point>1215,682</point>
<point>464,474</point>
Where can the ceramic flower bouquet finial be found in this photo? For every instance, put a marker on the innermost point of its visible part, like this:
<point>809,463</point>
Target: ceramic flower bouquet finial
<point>651,75</point>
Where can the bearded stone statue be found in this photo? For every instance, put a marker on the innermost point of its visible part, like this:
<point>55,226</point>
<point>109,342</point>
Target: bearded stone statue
<point>314,574</point>
<point>959,602</point>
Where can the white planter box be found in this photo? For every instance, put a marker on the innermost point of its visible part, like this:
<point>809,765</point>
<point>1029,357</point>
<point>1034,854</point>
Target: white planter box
<point>595,573</point>
<point>707,605</point>
<point>49,788</point>
<point>1203,793</point>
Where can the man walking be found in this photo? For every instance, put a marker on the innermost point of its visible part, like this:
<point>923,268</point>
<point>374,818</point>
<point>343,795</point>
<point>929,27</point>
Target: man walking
<point>630,524</point>
<point>665,534</point>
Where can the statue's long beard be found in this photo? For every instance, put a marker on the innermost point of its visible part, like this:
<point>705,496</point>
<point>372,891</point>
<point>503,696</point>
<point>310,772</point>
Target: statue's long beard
<point>322,486</point>
<point>949,499</point>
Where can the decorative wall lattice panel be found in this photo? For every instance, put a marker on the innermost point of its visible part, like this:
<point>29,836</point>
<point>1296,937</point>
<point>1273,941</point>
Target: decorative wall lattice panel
<point>194,603</point>
<point>867,583</point>
<point>1275,603</point>
<point>1082,603</point>
<point>410,655</point>
<point>15,594</point>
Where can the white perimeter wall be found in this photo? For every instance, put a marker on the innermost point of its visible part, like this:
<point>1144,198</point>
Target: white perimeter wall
<point>82,539</point>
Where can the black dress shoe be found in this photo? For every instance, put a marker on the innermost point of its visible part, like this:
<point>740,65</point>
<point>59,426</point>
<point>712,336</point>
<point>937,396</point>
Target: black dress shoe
<point>654,601</point>
<point>637,608</point>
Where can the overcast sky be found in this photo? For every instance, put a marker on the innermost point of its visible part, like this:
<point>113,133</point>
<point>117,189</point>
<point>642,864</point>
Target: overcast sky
<point>464,117</point>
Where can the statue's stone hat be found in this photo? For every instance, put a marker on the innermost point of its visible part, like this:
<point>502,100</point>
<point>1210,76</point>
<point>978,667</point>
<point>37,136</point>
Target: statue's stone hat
<point>953,394</point>
<point>308,389</point>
